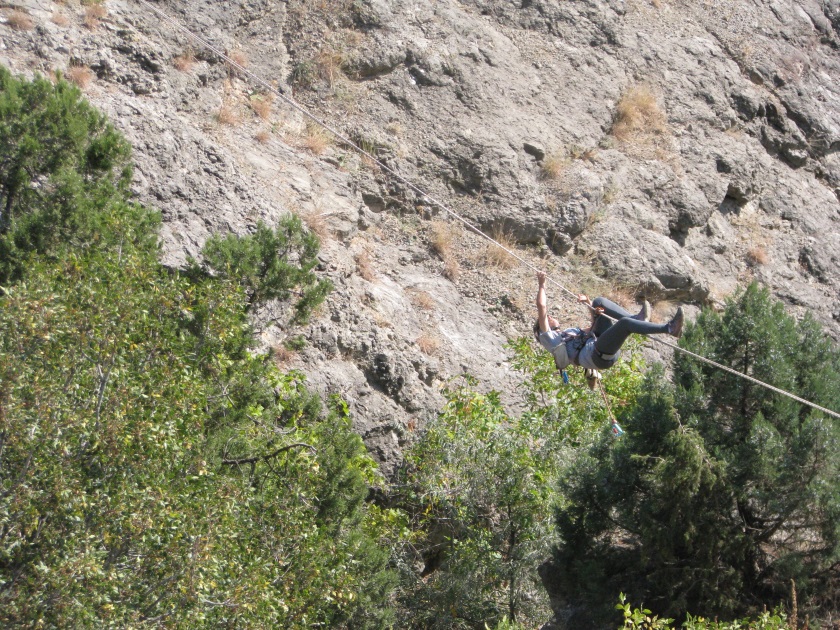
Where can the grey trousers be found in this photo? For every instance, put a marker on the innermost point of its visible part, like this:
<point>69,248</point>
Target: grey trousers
<point>610,336</point>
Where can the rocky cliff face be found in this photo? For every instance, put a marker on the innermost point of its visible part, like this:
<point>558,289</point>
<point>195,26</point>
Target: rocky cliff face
<point>666,149</point>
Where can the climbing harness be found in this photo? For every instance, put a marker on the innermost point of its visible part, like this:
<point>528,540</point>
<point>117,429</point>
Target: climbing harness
<point>432,201</point>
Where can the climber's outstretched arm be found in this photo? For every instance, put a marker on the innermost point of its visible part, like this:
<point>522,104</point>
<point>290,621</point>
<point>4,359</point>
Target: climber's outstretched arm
<point>542,303</point>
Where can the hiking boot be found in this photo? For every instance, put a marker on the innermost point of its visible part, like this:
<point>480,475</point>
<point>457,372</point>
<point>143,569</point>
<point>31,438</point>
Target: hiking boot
<point>675,326</point>
<point>592,377</point>
<point>644,314</point>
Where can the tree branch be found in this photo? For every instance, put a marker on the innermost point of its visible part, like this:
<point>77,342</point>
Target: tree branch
<point>256,458</point>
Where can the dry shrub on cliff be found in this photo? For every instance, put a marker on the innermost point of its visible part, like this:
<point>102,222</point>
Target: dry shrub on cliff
<point>19,21</point>
<point>638,120</point>
<point>316,139</point>
<point>316,220</point>
<point>59,19</point>
<point>364,265</point>
<point>494,255</point>
<point>451,268</point>
<point>442,242</point>
<point>185,61</point>
<point>421,299</point>
<point>757,255</point>
<point>553,166</point>
<point>93,14</point>
<point>663,311</point>
<point>263,136</point>
<point>329,63</point>
<point>428,344</point>
<point>261,104</point>
<point>441,238</point>
<point>239,58</point>
<point>80,76</point>
<point>282,355</point>
<point>227,114</point>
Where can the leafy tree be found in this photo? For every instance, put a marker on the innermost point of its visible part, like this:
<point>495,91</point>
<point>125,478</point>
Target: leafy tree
<point>721,491</point>
<point>61,166</point>
<point>485,491</point>
<point>153,469</point>
<point>271,265</point>
<point>485,503</point>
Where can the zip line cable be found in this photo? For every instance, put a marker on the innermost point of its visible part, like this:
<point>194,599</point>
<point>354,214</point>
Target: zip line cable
<point>280,93</point>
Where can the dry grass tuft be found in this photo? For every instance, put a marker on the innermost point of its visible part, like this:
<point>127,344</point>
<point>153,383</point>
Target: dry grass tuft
<point>451,269</point>
<point>263,136</point>
<point>282,355</point>
<point>239,57</point>
<point>553,166</point>
<point>316,139</point>
<point>329,63</point>
<point>441,239</point>
<point>364,265</point>
<point>261,104</point>
<point>494,255</point>
<point>638,117</point>
<point>19,21</point>
<point>422,299</point>
<point>316,221</point>
<point>577,152</point>
<point>663,311</point>
<point>59,19</point>
<point>441,242</point>
<point>185,61</point>
<point>227,115</point>
<point>80,76</point>
<point>93,15</point>
<point>394,128</point>
<point>757,255</point>
<point>428,344</point>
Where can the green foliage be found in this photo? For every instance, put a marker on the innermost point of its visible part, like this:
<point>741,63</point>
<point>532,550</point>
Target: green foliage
<point>573,413</point>
<point>483,496</point>
<point>271,265</point>
<point>642,619</point>
<point>295,343</point>
<point>485,491</point>
<point>155,472</point>
<point>62,170</point>
<point>721,492</point>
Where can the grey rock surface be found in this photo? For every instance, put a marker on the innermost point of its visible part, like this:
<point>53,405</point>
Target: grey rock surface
<point>505,111</point>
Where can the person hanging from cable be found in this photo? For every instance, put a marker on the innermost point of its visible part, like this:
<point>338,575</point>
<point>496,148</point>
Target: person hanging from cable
<point>597,347</point>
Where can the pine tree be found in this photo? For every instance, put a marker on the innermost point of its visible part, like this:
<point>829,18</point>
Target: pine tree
<point>721,491</point>
<point>62,167</point>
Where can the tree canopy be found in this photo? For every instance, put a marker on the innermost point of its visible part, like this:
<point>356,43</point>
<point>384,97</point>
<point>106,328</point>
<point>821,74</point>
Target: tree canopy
<point>153,468</point>
<point>61,166</point>
<point>721,492</point>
